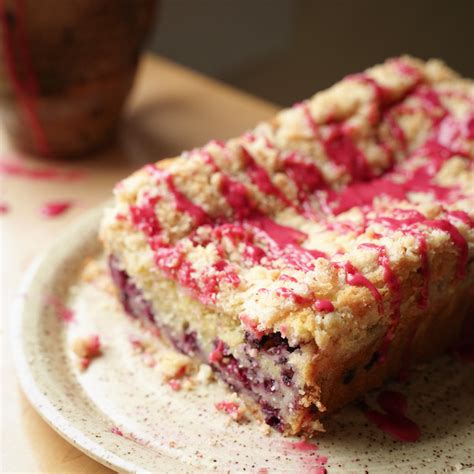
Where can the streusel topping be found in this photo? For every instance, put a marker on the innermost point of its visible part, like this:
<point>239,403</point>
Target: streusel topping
<point>341,207</point>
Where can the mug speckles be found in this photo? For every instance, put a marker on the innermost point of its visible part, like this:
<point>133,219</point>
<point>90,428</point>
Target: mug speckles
<point>182,431</point>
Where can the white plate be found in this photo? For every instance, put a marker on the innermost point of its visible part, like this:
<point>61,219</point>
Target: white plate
<point>167,431</point>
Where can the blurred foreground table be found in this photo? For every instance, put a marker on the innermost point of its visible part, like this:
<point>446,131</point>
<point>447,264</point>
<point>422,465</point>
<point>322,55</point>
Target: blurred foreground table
<point>171,109</point>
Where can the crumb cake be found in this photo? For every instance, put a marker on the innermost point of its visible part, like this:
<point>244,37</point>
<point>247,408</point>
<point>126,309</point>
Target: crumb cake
<point>316,255</point>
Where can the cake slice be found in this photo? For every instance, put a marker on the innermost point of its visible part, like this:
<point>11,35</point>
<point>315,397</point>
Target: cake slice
<point>315,256</point>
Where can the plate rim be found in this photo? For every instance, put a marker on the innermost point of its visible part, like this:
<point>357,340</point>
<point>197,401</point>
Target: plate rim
<point>24,375</point>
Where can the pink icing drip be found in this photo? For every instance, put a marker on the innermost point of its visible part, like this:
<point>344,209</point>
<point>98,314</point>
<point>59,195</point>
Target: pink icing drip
<point>355,278</point>
<point>323,305</point>
<point>458,240</point>
<point>393,284</point>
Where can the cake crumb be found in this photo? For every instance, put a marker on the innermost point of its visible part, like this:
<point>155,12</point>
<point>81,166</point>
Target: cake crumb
<point>94,272</point>
<point>86,349</point>
<point>174,365</point>
<point>234,408</point>
<point>205,375</point>
<point>142,344</point>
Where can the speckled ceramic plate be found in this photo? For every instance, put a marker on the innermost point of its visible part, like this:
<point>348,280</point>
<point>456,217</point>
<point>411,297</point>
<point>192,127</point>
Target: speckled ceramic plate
<point>168,431</point>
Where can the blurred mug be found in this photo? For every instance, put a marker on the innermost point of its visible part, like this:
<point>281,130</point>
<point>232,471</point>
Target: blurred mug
<point>66,68</point>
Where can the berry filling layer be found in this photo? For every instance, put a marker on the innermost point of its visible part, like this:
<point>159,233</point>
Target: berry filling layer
<point>259,369</point>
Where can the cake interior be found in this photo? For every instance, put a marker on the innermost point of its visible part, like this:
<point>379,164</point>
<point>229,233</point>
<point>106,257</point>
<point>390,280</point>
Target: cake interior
<point>265,370</point>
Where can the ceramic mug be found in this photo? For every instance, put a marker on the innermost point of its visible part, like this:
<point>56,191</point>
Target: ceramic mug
<point>66,68</point>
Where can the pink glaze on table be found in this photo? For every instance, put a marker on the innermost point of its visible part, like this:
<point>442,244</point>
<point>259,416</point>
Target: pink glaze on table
<point>20,170</point>
<point>393,420</point>
<point>4,208</point>
<point>55,208</point>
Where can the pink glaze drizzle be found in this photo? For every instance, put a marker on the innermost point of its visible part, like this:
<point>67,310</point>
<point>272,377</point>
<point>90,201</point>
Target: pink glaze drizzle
<point>280,234</point>
<point>237,197</point>
<point>259,176</point>
<point>340,148</point>
<point>355,278</point>
<point>415,174</point>
<point>144,216</point>
<point>183,204</point>
<point>306,176</point>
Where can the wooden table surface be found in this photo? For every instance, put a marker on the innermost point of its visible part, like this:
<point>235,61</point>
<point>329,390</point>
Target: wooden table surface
<point>170,109</point>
